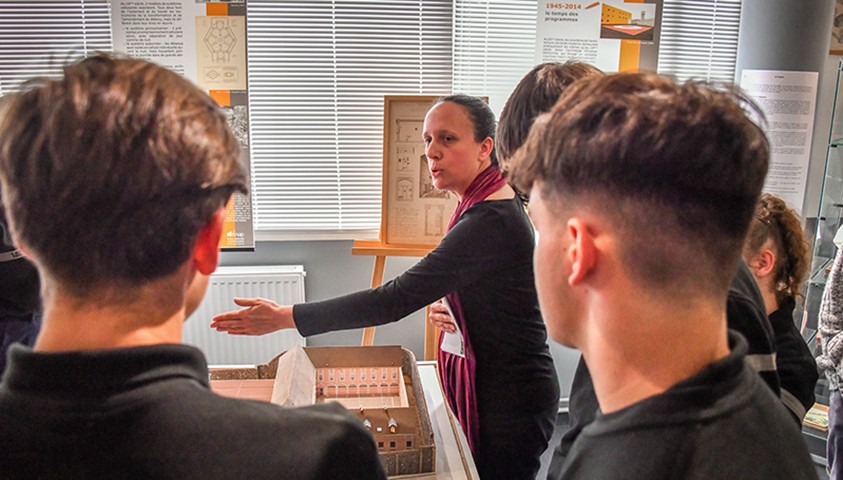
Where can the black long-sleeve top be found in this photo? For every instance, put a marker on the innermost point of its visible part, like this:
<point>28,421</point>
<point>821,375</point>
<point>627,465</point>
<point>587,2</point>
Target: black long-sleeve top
<point>487,258</point>
<point>797,368</point>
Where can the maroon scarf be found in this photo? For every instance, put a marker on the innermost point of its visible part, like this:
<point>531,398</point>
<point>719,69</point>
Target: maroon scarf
<point>457,373</point>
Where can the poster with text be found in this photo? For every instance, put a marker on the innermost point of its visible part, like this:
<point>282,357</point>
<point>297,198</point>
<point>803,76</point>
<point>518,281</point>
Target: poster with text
<point>206,43</point>
<point>614,36</point>
<point>788,100</point>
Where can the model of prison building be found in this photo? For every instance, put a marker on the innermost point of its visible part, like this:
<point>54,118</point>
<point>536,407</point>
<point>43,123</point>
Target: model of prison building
<point>380,385</point>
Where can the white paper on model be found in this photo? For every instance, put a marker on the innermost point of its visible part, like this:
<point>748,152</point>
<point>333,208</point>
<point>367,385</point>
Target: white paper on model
<point>452,342</point>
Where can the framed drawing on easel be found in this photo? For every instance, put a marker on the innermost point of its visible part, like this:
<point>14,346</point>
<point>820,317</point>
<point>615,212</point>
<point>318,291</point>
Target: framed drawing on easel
<point>414,212</point>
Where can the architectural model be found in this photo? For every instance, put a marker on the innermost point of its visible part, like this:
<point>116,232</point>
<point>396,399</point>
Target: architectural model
<point>379,384</point>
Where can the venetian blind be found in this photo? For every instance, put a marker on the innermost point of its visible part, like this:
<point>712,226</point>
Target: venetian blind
<point>37,38</point>
<point>494,45</point>
<point>318,71</point>
<point>699,39</point>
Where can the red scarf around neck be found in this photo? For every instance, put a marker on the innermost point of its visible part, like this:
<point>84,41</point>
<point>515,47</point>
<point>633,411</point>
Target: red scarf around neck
<point>457,373</point>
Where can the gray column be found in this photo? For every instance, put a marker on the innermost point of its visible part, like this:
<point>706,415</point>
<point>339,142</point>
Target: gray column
<point>794,35</point>
<point>784,35</point>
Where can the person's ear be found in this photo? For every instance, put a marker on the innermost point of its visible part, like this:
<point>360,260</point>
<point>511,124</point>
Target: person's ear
<point>206,248</point>
<point>486,147</point>
<point>763,263</point>
<point>582,252</point>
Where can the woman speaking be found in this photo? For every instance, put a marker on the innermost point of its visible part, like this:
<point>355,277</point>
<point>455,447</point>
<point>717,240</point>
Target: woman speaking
<point>504,388</point>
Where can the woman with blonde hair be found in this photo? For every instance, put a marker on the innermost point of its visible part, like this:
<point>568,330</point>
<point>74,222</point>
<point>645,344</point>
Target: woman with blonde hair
<point>779,255</point>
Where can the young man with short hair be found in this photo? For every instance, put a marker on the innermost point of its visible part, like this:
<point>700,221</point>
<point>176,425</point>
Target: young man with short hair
<point>116,176</point>
<point>642,190</point>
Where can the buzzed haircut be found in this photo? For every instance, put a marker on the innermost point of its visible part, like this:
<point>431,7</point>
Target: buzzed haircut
<point>678,167</point>
<point>110,170</point>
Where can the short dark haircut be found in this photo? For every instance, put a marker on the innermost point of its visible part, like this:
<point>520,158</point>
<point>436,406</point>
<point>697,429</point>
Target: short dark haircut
<point>677,166</point>
<point>110,171</point>
<point>535,94</point>
<point>481,115</point>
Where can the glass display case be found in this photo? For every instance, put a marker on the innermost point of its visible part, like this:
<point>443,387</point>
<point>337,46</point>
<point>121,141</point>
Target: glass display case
<point>825,225</point>
<point>823,228</point>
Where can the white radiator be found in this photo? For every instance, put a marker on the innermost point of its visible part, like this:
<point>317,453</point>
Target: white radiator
<point>283,284</point>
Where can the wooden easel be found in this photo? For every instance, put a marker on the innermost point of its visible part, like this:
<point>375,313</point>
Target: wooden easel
<point>380,251</point>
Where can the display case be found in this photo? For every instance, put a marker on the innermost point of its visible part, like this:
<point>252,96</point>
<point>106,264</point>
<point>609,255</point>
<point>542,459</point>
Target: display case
<point>827,223</point>
<point>823,228</point>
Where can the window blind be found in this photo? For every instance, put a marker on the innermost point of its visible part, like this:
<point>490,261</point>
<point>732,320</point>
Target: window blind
<point>699,39</point>
<point>494,45</point>
<point>37,38</point>
<point>318,71</point>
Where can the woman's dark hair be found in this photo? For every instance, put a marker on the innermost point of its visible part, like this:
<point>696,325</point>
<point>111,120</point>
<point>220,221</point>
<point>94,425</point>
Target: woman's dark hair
<point>481,116</point>
<point>535,94</point>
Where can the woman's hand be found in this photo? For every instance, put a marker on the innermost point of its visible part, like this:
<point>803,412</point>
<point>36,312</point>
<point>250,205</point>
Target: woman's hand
<point>261,317</point>
<point>440,317</point>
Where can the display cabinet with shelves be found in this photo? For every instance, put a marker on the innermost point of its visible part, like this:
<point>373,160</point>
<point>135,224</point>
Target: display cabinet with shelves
<point>826,224</point>
<point>824,228</point>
